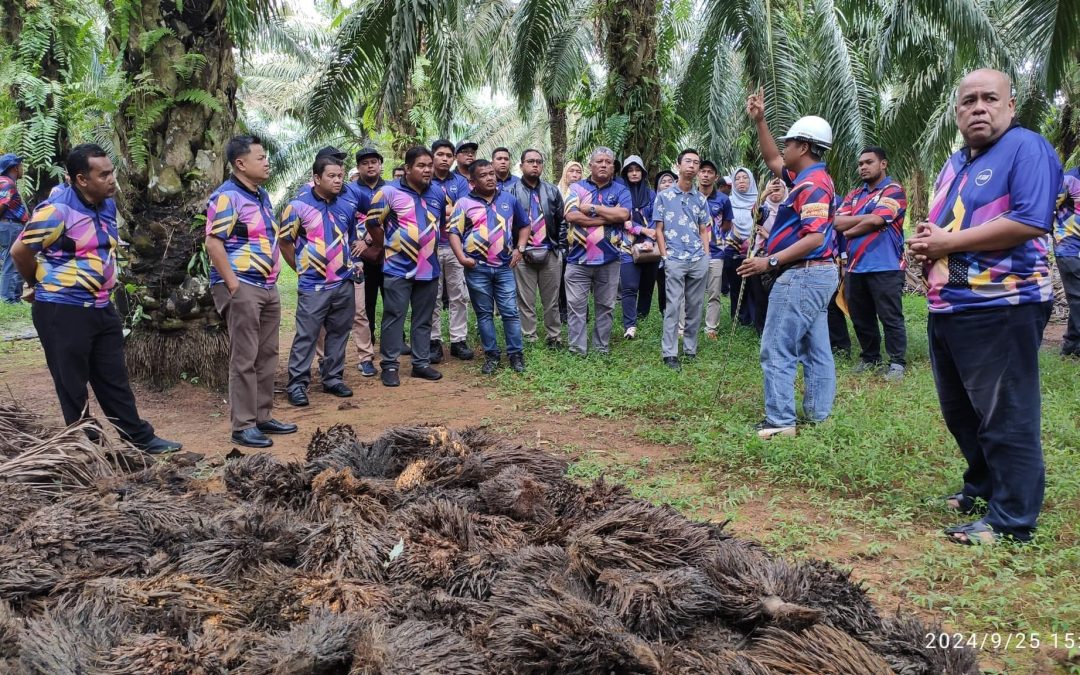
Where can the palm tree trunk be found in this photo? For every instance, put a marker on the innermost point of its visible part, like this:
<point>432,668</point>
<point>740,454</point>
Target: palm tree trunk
<point>557,126</point>
<point>164,197</point>
<point>634,79</point>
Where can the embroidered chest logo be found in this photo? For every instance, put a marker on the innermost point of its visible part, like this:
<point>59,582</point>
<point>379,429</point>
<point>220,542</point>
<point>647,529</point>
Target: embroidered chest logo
<point>984,177</point>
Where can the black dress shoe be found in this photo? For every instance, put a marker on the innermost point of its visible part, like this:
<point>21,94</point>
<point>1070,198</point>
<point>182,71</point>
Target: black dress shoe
<point>160,446</point>
<point>491,364</point>
<point>517,363</point>
<point>390,377</point>
<point>252,438</point>
<point>672,362</point>
<point>339,390</point>
<point>436,351</point>
<point>426,373</point>
<point>460,350</point>
<point>298,397</point>
<point>275,427</point>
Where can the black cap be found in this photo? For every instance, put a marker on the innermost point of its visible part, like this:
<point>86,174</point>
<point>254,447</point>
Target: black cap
<point>466,144</point>
<point>708,163</point>
<point>330,151</point>
<point>368,151</point>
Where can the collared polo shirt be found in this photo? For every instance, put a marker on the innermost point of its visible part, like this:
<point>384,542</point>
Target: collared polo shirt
<point>486,228</point>
<point>245,222</point>
<point>719,211</point>
<point>323,232</point>
<point>808,209</point>
<point>881,250</point>
<point>1067,232</point>
<point>1018,177</point>
<point>411,223</point>
<point>75,246</point>
<point>595,245</point>
<point>14,209</point>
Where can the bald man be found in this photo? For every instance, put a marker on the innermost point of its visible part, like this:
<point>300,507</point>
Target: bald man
<point>984,249</point>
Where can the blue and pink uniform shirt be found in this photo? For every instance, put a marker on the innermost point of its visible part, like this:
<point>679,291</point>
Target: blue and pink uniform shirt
<point>1018,177</point>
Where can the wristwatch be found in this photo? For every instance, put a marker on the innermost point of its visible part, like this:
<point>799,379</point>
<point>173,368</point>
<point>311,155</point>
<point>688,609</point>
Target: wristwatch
<point>521,249</point>
<point>592,211</point>
<point>774,262</point>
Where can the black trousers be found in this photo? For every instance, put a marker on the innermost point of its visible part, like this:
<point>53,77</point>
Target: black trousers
<point>373,282</point>
<point>85,345</point>
<point>873,297</point>
<point>732,284</point>
<point>986,368</point>
<point>1070,278</point>
<point>759,302</point>
<point>839,339</point>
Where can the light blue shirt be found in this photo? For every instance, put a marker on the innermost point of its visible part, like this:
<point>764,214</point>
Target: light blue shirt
<point>683,214</point>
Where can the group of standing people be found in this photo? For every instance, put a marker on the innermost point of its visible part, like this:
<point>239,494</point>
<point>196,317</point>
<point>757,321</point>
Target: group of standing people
<point>465,228</point>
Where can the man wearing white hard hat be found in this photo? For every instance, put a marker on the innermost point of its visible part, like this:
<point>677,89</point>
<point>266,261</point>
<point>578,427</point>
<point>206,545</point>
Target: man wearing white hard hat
<point>799,254</point>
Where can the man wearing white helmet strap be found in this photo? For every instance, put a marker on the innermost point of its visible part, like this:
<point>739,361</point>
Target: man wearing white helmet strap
<point>800,252</point>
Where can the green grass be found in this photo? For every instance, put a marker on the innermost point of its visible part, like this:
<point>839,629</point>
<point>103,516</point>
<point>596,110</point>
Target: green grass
<point>870,467</point>
<point>14,319</point>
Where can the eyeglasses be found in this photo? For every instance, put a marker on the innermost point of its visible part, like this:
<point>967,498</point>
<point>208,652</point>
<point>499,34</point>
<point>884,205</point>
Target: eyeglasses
<point>533,161</point>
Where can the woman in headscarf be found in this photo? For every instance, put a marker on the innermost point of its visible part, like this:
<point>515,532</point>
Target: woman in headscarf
<point>571,173</point>
<point>663,181</point>
<point>774,194</point>
<point>744,198</point>
<point>637,279</point>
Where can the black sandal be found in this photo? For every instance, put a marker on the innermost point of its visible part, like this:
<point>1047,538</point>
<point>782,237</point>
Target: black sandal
<point>964,504</point>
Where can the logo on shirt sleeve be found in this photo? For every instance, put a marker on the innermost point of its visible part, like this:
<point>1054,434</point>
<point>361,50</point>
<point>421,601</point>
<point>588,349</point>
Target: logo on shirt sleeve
<point>984,177</point>
<point>815,211</point>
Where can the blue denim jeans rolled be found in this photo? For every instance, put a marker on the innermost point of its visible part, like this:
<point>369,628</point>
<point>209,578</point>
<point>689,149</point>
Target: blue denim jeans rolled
<point>488,287</point>
<point>797,331</point>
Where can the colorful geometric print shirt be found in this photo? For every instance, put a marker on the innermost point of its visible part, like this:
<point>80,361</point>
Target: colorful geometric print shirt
<point>455,186</point>
<point>75,245</point>
<point>323,232</point>
<point>245,222</point>
<point>808,209</point>
<point>880,250</point>
<point>1018,177</point>
<point>719,211</point>
<point>595,245</point>
<point>1067,232</point>
<point>534,212</point>
<point>411,223</point>
<point>488,229</point>
<point>12,207</point>
<point>683,214</point>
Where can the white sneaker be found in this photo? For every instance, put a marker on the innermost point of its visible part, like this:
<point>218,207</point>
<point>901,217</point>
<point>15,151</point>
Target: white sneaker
<point>630,333</point>
<point>765,431</point>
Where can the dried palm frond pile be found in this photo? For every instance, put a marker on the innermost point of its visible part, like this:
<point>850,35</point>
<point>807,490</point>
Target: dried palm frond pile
<point>427,550</point>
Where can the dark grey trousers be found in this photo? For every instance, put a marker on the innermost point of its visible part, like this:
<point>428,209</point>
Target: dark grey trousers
<point>398,294</point>
<point>315,310</point>
<point>1070,278</point>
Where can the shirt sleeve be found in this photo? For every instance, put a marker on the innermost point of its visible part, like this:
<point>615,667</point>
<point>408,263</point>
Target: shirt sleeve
<point>573,200</point>
<point>363,203</point>
<point>221,217</point>
<point>624,199</point>
<point>290,223</point>
<point>788,176</point>
<point>729,213</point>
<point>521,219</point>
<point>891,205</point>
<point>846,207</point>
<point>456,225</point>
<point>813,204</point>
<point>7,194</point>
<point>43,229</point>
<point>377,210</point>
<point>1034,182</point>
<point>657,209</point>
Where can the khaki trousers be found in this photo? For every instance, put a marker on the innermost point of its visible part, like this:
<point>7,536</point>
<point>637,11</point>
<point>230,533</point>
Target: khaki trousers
<point>253,316</point>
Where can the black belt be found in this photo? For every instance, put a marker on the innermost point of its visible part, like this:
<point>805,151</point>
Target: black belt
<point>801,264</point>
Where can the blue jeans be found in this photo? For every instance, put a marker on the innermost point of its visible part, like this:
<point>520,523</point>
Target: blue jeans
<point>797,331</point>
<point>489,286</point>
<point>10,281</point>
<point>986,368</point>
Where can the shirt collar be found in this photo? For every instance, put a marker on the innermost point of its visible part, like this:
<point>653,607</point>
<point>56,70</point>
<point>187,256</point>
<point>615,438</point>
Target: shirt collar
<point>965,152</point>
<point>590,181</point>
<point>881,186</point>
<point>82,200</point>
<point>806,172</point>
<point>475,195</point>
<point>378,184</point>
<point>240,184</point>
